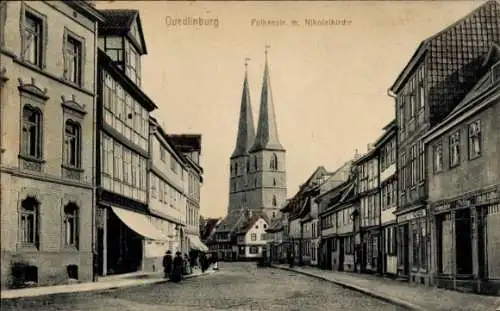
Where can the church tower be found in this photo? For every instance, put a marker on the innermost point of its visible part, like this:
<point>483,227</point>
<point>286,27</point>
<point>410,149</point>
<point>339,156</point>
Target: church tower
<point>267,174</point>
<point>239,161</point>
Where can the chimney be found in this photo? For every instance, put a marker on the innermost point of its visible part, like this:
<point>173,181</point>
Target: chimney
<point>356,154</point>
<point>369,147</point>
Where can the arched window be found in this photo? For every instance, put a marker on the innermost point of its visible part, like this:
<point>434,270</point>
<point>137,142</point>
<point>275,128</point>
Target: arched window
<point>274,162</point>
<point>32,132</point>
<point>29,221</point>
<point>70,223</point>
<point>236,168</point>
<point>274,201</point>
<point>72,144</point>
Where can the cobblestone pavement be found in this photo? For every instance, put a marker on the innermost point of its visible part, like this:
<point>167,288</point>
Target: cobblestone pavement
<point>237,286</point>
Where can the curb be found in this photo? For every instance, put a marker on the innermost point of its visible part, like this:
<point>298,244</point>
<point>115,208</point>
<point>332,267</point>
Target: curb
<point>99,286</point>
<point>392,300</point>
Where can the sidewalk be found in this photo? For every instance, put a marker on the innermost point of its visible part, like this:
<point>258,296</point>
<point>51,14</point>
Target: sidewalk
<point>111,282</point>
<point>413,297</point>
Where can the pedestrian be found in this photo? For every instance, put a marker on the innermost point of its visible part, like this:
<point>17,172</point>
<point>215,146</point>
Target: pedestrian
<point>187,266</point>
<point>176,275</point>
<point>167,264</point>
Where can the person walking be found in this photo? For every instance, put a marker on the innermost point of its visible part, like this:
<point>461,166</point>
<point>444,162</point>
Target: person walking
<point>167,264</point>
<point>176,275</point>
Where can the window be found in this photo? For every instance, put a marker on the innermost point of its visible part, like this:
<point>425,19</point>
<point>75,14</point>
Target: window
<point>438,157</point>
<point>253,237</point>
<point>29,222</point>
<point>455,149</point>
<point>274,182</point>
<point>32,39</point>
<point>421,93</point>
<point>255,163</point>
<point>72,142</point>
<point>254,250</point>
<point>474,139</point>
<point>263,236</point>
<point>173,164</point>
<point>274,201</point>
<point>70,224</point>
<point>274,163</point>
<point>32,132</point>
<point>413,165</point>
<point>133,65</point>
<point>162,154</point>
<point>73,60</point>
<point>421,161</point>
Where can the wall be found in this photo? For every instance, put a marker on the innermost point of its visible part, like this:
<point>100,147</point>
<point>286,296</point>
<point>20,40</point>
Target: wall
<point>470,174</point>
<point>50,188</point>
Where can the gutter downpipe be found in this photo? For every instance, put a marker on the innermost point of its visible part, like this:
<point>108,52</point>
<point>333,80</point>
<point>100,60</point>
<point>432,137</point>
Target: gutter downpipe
<point>94,168</point>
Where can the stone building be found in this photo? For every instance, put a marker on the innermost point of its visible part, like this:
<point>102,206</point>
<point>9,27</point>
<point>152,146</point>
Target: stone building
<point>257,179</point>
<point>439,74</point>
<point>47,95</point>
<point>464,187</point>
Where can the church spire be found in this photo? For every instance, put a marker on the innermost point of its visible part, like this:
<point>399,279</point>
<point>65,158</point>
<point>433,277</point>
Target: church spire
<point>267,130</point>
<point>246,130</point>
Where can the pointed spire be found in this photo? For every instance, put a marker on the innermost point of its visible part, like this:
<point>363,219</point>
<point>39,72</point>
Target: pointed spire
<point>246,129</point>
<point>267,130</point>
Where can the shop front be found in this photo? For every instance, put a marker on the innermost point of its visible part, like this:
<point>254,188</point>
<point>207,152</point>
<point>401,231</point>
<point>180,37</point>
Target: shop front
<point>126,240</point>
<point>465,231</point>
<point>414,246</point>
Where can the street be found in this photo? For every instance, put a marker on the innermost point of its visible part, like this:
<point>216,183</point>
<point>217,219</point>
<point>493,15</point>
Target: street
<point>237,286</point>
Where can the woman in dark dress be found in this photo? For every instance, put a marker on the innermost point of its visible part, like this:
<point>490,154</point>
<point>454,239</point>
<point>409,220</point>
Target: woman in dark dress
<point>167,264</point>
<point>176,275</point>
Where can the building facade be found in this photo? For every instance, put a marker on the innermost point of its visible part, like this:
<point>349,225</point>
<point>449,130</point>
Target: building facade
<point>167,172</point>
<point>190,146</point>
<point>252,237</point>
<point>47,97</point>
<point>437,77</point>
<point>367,192</point>
<point>464,182</point>
<point>386,151</point>
<point>124,228</point>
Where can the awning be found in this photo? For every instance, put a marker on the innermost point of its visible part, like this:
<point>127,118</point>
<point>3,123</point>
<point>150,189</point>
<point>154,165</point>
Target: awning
<point>139,223</point>
<point>197,244</point>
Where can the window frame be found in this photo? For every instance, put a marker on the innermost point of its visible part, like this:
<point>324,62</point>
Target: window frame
<point>77,58</point>
<point>25,140</point>
<point>435,148</point>
<point>474,135</point>
<point>74,215</point>
<point>454,142</point>
<point>77,136</point>
<point>34,242</point>
<point>41,49</point>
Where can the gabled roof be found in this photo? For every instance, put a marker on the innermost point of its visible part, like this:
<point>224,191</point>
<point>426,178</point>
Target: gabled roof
<point>425,45</point>
<point>389,131</point>
<point>119,22</point>
<point>475,98</point>
<point>209,228</point>
<point>276,224</point>
<point>248,223</point>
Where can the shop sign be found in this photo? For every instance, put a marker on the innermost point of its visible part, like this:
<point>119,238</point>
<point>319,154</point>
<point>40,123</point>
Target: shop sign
<point>416,214</point>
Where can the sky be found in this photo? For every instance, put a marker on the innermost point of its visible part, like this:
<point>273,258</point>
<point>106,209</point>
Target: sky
<point>329,82</point>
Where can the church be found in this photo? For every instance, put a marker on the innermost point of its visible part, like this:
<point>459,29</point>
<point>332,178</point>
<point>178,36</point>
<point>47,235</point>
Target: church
<point>257,176</point>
